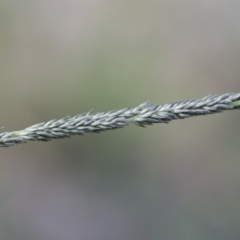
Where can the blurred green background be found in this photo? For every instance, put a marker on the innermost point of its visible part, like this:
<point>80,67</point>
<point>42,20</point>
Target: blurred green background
<point>168,181</point>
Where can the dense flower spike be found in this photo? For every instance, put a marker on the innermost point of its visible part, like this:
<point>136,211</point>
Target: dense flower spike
<point>145,114</point>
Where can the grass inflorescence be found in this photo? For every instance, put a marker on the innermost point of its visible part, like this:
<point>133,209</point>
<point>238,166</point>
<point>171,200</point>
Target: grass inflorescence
<point>142,115</point>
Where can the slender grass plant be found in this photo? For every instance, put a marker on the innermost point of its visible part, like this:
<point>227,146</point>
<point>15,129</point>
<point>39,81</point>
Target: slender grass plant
<point>142,115</point>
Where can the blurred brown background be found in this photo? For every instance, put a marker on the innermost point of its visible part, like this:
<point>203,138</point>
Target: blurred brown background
<point>168,181</point>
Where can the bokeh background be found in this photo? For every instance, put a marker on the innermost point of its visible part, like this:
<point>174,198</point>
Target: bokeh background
<point>168,181</point>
